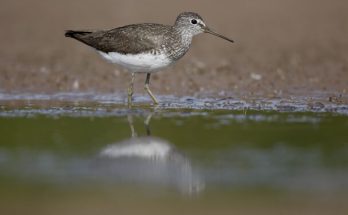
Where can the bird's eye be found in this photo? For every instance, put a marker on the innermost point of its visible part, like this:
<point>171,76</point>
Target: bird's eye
<point>193,21</point>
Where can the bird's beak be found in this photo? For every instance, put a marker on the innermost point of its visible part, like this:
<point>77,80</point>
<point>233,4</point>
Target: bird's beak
<point>207,30</point>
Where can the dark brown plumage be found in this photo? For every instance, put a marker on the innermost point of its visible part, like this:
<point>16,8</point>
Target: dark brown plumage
<point>130,39</point>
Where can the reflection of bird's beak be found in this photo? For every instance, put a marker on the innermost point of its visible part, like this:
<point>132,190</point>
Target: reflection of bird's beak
<point>207,30</point>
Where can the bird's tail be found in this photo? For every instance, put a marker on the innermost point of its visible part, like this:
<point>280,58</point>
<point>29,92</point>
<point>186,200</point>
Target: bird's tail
<point>82,36</point>
<point>76,34</point>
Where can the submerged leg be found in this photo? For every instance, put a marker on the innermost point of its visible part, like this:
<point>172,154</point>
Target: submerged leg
<point>147,88</point>
<point>131,125</point>
<point>147,124</point>
<point>130,90</point>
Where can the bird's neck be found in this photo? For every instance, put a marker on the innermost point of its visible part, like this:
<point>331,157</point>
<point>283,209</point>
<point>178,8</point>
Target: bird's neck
<point>185,35</point>
<point>180,43</point>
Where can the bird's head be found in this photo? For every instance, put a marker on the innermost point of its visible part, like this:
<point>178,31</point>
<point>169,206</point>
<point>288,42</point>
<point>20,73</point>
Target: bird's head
<point>193,24</point>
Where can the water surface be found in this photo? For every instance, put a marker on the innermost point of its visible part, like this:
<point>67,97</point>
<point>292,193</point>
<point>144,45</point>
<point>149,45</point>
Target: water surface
<point>67,158</point>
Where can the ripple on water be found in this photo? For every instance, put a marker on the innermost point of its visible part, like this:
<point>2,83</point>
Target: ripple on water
<point>108,104</point>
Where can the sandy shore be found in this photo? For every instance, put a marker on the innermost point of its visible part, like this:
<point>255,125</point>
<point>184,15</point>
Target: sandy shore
<point>283,48</point>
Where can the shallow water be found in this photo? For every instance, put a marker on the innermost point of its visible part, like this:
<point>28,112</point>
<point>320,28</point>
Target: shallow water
<point>60,157</point>
<point>94,103</point>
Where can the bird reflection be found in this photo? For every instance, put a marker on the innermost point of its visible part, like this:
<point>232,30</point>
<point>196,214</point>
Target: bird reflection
<point>151,160</point>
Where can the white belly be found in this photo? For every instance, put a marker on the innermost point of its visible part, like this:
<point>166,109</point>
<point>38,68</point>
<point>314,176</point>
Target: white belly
<point>138,62</point>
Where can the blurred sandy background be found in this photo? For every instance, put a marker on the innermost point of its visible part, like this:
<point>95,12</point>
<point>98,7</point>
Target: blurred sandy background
<point>283,47</point>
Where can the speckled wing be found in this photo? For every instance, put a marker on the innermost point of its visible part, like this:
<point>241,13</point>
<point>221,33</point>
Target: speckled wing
<point>130,39</point>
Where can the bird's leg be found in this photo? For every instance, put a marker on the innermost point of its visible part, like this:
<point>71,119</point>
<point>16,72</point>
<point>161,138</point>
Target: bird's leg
<point>147,124</point>
<point>147,88</point>
<point>130,90</point>
<point>131,125</point>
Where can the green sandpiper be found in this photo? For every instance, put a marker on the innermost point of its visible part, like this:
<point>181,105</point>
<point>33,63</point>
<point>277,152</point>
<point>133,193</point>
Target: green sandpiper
<point>147,47</point>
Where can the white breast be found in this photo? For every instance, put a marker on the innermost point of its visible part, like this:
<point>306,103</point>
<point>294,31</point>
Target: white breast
<point>138,62</point>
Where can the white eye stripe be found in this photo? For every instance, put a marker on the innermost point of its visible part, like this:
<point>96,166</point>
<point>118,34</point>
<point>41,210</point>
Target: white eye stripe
<point>201,22</point>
